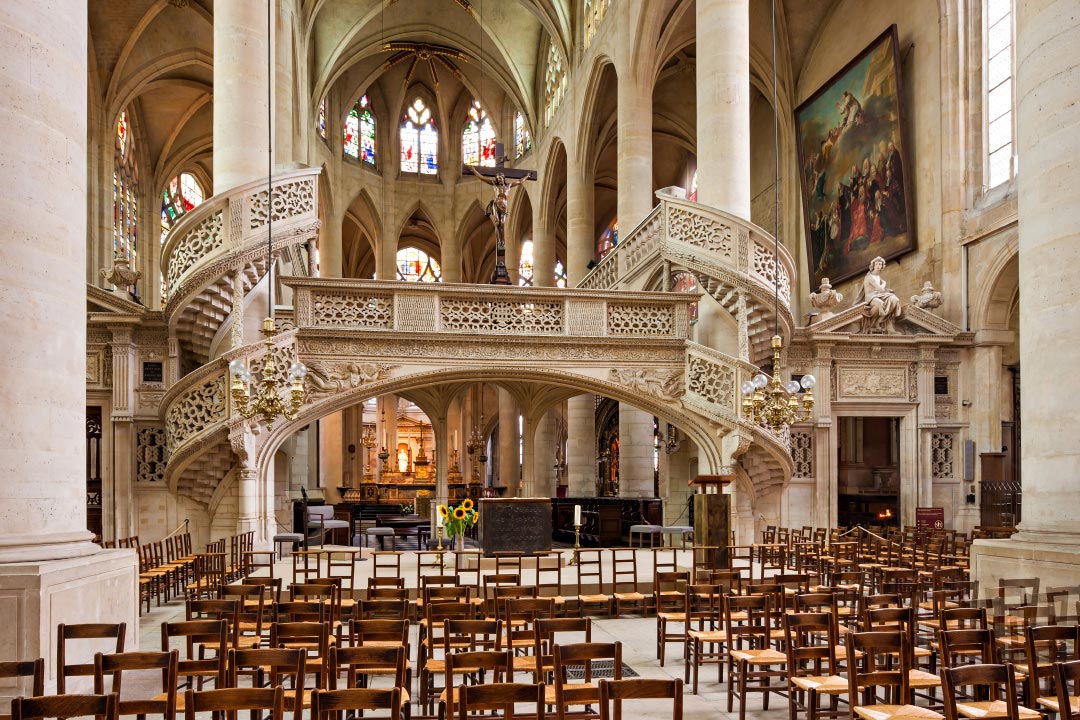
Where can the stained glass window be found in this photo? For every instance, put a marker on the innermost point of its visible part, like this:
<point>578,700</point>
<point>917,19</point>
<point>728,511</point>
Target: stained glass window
<point>415,265</point>
<point>999,97</point>
<point>360,131</point>
<point>554,82</point>
<point>608,239</point>
<point>419,140</point>
<point>686,282</point>
<point>522,138</point>
<point>594,15</point>
<point>560,274</point>
<point>183,193</point>
<point>693,187</point>
<point>125,194</point>
<point>478,138</point>
<point>320,122</point>
<point>525,266</point>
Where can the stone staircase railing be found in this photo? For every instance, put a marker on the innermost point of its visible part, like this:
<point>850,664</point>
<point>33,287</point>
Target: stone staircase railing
<point>733,261</point>
<point>217,252</point>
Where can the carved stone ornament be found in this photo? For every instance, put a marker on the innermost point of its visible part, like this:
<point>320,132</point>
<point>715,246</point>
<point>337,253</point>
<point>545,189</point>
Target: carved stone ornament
<point>873,382</point>
<point>121,276</point>
<point>928,298</point>
<point>326,379</point>
<point>665,384</point>
<point>825,299</point>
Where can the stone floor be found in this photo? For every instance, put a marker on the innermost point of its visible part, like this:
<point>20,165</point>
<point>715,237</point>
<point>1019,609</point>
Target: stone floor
<point>637,634</point>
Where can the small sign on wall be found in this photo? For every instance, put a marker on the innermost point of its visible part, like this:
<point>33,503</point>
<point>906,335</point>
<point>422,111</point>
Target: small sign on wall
<point>153,372</point>
<point>927,520</point>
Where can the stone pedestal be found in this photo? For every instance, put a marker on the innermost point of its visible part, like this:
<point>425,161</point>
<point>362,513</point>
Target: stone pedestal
<point>35,597</point>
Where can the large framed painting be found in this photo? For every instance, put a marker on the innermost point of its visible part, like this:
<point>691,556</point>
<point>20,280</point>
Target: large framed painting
<point>854,171</point>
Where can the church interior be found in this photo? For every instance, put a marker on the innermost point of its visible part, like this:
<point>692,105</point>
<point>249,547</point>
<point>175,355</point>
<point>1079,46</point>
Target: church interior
<point>581,342</point>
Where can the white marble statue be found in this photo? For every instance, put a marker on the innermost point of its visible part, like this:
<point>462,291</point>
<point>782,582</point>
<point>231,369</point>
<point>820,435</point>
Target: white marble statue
<point>882,308</point>
<point>928,298</point>
<point>121,276</point>
<point>825,299</point>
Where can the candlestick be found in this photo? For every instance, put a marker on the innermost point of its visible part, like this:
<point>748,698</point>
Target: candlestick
<point>577,540</point>
<point>577,515</point>
<point>438,520</point>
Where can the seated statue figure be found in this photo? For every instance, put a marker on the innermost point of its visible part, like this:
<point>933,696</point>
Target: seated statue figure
<point>882,308</point>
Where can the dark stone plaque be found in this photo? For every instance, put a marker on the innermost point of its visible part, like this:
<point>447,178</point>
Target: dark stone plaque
<point>521,524</point>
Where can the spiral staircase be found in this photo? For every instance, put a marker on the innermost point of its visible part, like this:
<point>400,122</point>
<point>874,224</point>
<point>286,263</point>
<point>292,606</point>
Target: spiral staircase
<point>613,335</point>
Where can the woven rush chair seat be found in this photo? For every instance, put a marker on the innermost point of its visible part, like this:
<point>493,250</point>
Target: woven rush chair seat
<point>896,712</point>
<point>823,684</point>
<point>993,708</point>
<point>1054,705</point>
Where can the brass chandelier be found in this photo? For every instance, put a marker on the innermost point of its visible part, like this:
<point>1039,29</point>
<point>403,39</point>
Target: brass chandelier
<point>268,403</point>
<point>768,401</point>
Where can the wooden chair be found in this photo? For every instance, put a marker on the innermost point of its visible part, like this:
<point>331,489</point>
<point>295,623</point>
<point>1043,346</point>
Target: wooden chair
<point>230,701</point>
<point>704,645</point>
<point>614,692</point>
<point>1067,702</point>
<point>251,612</point>
<point>549,578</point>
<point>752,661</point>
<point>672,607</point>
<point>102,707</point>
<point>379,633</point>
<point>881,660</point>
<point>274,667</point>
<point>964,646</point>
<point>326,704</point>
<point>272,585</point>
<point>810,640</point>
<point>1046,645</point>
<point>587,692</point>
<point>590,576</point>
<point>431,644</point>
<point>34,669</point>
<point>209,575</point>
<point>493,697</point>
<point>199,638</point>
<point>472,664</point>
<point>549,632</point>
<point>1001,682</point>
<point>624,573</point>
<point>313,638</point>
<point>85,631</point>
<point>383,609</point>
<point>116,664</point>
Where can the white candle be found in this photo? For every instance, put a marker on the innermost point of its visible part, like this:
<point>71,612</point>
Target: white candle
<point>577,514</point>
<point>438,519</point>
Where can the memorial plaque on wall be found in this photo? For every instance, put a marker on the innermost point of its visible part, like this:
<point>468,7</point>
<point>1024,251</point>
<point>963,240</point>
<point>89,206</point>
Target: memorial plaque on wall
<point>515,524</point>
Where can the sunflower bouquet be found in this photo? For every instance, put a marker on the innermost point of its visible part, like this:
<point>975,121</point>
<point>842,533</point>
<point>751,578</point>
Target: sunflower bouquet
<point>458,519</point>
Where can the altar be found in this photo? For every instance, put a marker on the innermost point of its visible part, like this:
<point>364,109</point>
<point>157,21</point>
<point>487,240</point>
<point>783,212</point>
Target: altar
<point>515,524</point>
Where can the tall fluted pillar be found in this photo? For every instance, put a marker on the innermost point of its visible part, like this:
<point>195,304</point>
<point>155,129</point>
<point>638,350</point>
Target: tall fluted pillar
<point>544,478</point>
<point>51,571</point>
<point>241,119</point>
<point>581,446</point>
<point>543,247</point>
<point>723,105</point>
<point>581,409</point>
<point>1048,140</point>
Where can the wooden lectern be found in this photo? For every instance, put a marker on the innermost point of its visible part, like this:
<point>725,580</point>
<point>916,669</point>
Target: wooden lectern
<point>712,516</point>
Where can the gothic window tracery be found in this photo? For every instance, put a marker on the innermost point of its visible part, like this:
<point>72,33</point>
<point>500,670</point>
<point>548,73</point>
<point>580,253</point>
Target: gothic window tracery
<point>320,121</point>
<point>125,194</point>
<point>522,138</point>
<point>359,139</point>
<point>554,82</point>
<point>478,138</point>
<point>415,265</point>
<point>594,15</point>
<point>419,140</point>
<point>999,98</point>
<point>526,270</point>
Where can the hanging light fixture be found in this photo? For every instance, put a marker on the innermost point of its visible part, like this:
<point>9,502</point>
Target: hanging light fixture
<point>476,439</point>
<point>768,401</point>
<point>268,403</point>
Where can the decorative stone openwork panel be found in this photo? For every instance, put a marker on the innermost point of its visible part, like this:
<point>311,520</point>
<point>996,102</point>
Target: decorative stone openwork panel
<point>641,245</point>
<point>604,276</point>
<point>765,267</point>
<point>291,199</point>
<point>500,317</point>
<point>367,311</point>
<point>203,239</point>
<point>150,454</point>
<point>703,232</point>
<point>195,410</point>
<point>941,455</point>
<point>712,381</point>
<point>802,453</point>
<point>636,319</point>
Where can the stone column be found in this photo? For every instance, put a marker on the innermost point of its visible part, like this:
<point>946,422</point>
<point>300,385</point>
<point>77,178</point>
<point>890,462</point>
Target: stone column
<point>125,374</point>
<point>581,409</point>
<point>635,452</point>
<point>581,446</point>
<point>678,479</point>
<point>450,261</point>
<point>331,457</point>
<point>544,478</point>
<point>442,460</point>
<point>527,486</point>
<point>723,105</point>
<point>1048,138</point>
<point>509,469</point>
<point>240,89</point>
<point>543,247</point>
<point>247,493</point>
<point>50,572</point>
<point>635,150</point>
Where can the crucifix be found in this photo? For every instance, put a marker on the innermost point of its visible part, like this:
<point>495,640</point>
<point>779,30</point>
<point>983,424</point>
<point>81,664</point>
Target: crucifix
<point>502,180</point>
